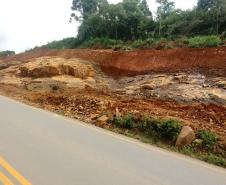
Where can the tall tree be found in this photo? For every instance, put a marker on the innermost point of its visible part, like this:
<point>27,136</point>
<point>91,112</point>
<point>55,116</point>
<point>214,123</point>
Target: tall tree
<point>87,7</point>
<point>145,9</point>
<point>215,10</point>
<point>165,8</point>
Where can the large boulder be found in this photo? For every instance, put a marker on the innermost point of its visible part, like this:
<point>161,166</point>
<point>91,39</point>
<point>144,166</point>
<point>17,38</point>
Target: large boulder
<point>186,136</point>
<point>101,121</point>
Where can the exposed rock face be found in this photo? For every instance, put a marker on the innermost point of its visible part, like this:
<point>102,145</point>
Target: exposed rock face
<point>186,136</point>
<point>48,67</point>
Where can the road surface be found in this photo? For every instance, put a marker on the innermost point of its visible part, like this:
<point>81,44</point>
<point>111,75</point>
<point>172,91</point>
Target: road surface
<point>41,148</point>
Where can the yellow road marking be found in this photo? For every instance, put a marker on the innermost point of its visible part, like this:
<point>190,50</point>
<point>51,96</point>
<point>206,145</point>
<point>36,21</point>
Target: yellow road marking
<point>5,179</point>
<point>13,172</point>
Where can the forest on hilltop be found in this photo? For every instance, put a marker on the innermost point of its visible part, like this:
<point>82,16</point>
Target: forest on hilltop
<point>132,19</point>
<point>131,24</point>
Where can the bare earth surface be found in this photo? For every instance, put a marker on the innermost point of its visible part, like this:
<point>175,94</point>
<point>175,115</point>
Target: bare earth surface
<point>186,84</point>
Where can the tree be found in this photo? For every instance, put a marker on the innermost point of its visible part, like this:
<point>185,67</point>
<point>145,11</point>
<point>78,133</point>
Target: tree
<point>145,9</point>
<point>165,8</point>
<point>215,11</point>
<point>205,4</point>
<point>87,7</point>
<point>6,53</point>
<point>132,19</point>
<point>115,16</point>
<point>128,20</point>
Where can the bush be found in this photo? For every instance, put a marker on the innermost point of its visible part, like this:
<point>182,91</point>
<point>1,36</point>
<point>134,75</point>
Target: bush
<point>124,122</point>
<point>170,129</point>
<point>167,129</point>
<point>67,43</point>
<point>217,160</point>
<point>204,41</point>
<point>150,126</point>
<point>101,43</point>
<point>117,121</point>
<point>128,122</point>
<point>209,139</point>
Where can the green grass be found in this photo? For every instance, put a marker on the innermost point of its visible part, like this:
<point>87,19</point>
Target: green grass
<point>204,41</point>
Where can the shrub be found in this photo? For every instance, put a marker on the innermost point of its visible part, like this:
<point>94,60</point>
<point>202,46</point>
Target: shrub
<point>150,125</point>
<point>124,122</point>
<point>145,124</point>
<point>209,139</point>
<point>67,43</point>
<point>204,41</point>
<point>167,129</point>
<point>142,43</point>
<point>99,43</point>
<point>137,44</point>
<point>170,129</point>
<point>214,159</point>
<point>117,121</point>
<point>128,122</point>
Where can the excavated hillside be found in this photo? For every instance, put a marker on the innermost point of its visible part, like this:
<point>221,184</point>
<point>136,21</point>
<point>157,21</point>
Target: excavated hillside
<point>186,84</point>
<point>210,61</point>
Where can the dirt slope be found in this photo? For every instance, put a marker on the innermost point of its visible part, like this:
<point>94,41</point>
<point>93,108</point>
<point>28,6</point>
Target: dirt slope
<point>210,61</point>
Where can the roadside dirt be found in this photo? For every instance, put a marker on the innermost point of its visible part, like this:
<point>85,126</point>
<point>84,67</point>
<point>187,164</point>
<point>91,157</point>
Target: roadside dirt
<point>185,84</point>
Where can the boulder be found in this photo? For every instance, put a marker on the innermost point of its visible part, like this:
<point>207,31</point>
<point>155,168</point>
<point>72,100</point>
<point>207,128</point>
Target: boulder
<point>186,136</point>
<point>103,119</point>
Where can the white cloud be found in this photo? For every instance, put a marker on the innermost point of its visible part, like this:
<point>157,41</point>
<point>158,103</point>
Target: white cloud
<point>28,23</point>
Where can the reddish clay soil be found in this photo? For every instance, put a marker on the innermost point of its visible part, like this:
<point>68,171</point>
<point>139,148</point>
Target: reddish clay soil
<point>209,61</point>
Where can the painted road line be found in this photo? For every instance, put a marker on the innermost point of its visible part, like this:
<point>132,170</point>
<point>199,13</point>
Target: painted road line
<point>13,172</point>
<point>5,179</point>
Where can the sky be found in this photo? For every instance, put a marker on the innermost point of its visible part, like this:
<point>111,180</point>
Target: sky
<point>25,24</point>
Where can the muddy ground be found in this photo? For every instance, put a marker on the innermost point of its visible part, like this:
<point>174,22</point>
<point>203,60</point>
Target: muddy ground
<point>185,84</point>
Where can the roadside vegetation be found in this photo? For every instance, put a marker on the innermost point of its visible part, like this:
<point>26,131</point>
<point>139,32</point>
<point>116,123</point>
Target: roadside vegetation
<point>164,133</point>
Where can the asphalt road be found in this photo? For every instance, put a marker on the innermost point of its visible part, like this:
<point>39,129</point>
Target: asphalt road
<point>46,149</point>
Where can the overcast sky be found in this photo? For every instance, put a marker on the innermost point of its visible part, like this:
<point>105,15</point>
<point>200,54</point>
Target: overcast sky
<point>28,23</point>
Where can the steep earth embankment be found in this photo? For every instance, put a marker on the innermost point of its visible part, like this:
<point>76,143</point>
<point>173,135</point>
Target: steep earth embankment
<point>186,84</point>
<point>210,61</point>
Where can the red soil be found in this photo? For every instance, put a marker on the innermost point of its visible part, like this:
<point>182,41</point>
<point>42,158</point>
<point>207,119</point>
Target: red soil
<point>210,61</point>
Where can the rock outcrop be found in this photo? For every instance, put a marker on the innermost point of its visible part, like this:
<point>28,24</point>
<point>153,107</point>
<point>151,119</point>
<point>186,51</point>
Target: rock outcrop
<point>48,67</point>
